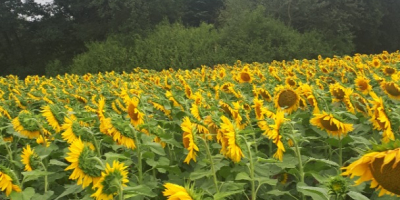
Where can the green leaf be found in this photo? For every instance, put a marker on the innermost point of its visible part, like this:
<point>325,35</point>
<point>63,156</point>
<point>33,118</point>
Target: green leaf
<point>70,189</point>
<point>26,194</point>
<point>44,196</point>
<point>277,192</point>
<point>142,190</point>
<point>323,161</point>
<point>33,175</point>
<point>114,156</point>
<point>58,163</point>
<point>357,196</point>
<point>199,174</point>
<point>156,148</point>
<point>242,176</point>
<point>315,193</point>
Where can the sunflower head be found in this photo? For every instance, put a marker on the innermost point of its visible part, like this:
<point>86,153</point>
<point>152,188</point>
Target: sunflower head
<point>8,181</point>
<point>244,77</point>
<point>338,187</point>
<point>30,159</point>
<point>389,70</point>
<point>330,124</point>
<point>380,166</point>
<point>26,124</point>
<point>286,99</point>
<point>362,84</point>
<point>111,182</point>
<point>391,89</point>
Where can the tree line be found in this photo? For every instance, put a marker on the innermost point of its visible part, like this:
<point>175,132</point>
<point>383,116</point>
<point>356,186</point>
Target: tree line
<point>80,36</point>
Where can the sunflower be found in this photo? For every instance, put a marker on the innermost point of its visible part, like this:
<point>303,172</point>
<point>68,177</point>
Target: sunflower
<point>376,63</point>
<point>273,133</point>
<point>161,108</point>
<point>51,117</point>
<point>73,130</point>
<point>380,166</point>
<point>29,158</point>
<point>339,92</point>
<point>7,181</point>
<point>258,105</point>
<point>286,99</point>
<point>83,166</point>
<point>362,84</point>
<point>111,182</point>
<point>380,120</point>
<point>331,125</point>
<point>244,77</point>
<point>290,81</point>
<point>189,140</point>
<point>195,111</point>
<point>228,138</point>
<point>4,112</point>
<point>391,89</point>
<point>26,124</point>
<point>361,104</point>
<point>134,112</point>
<point>177,192</point>
<point>388,71</point>
<point>115,127</point>
<point>265,94</point>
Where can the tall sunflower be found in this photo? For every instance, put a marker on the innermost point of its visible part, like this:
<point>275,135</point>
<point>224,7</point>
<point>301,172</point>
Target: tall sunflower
<point>7,181</point>
<point>331,125</point>
<point>228,136</point>
<point>380,166</point>
<point>29,158</point>
<point>73,130</point>
<point>286,98</point>
<point>273,133</point>
<point>83,166</point>
<point>111,181</point>
<point>189,140</point>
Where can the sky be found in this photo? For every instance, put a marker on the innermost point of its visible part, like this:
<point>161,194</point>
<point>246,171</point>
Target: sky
<point>43,1</point>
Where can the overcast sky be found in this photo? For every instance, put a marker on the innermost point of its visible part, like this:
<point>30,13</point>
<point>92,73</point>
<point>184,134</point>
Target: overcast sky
<point>43,1</point>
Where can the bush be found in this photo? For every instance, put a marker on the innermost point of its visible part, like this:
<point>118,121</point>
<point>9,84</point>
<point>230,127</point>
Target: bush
<point>173,45</point>
<point>110,55</point>
<point>252,36</point>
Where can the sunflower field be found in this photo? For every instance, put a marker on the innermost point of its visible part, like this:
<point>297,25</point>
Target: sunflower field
<point>323,128</point>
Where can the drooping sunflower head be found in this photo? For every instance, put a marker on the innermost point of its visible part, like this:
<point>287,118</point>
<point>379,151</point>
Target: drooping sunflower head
<point>111,182</point>
<point>391,89</point>
<point>134,112</point>
<point>8,182</point>
<point>265,94</point>
<point>286,98</point>
<point>26,124</point>
<point>82,163</point>
<point>54,116</point>
<point>189,139</point>
<point>330,124</point>
<point>30,159</point>
<point>338,91</point>
<point>362,84</point>
<point>116,128</point>
<point>380,166</point>
<point>361,104</point>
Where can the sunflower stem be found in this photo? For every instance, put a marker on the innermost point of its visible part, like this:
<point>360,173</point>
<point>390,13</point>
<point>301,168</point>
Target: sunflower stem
<point>45,177</point>
<point>298,154</point>
<point>253,191</point>
<point>139,155</point>
<point>340,152</point>
<point>8,149</point>
<point>212,165</point>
